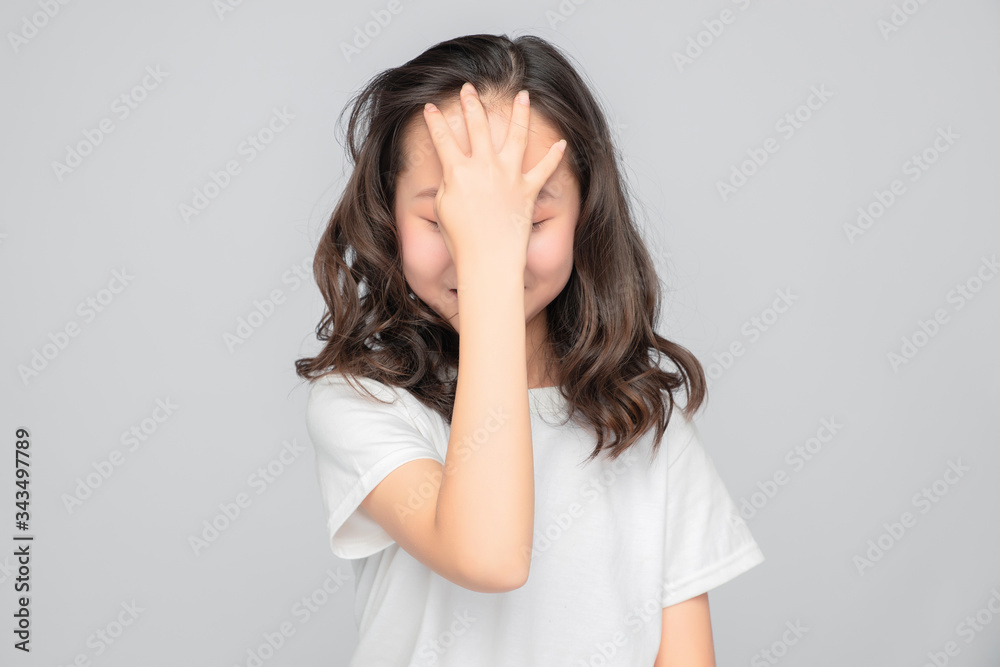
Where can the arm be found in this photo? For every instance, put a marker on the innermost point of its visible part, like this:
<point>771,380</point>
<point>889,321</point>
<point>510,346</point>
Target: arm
<point>486,505</point>
<point>474,521</point>
<point>687,635</point>
<point>471,521</point>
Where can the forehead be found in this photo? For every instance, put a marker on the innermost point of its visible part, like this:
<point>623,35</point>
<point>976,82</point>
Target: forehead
<point>421,157</point>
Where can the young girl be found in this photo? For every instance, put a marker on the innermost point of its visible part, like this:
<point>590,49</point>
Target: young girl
<point>496,440</point>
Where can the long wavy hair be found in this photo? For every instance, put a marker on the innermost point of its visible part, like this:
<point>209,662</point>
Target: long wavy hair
<point>600,327</point>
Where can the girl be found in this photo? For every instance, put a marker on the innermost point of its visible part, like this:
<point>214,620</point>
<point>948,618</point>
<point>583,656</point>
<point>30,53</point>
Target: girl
<point>490,324</point>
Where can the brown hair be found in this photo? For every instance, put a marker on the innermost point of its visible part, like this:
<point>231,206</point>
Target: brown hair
<point>600,327</point>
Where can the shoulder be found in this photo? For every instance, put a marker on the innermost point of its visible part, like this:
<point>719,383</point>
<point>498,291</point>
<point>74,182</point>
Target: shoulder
<point>681,431</point>
<point>335,387</point>
<point>336,402</point>
<point>370,406</point>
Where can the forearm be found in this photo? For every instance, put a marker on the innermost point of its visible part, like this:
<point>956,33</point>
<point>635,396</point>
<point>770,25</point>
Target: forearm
<point>686,638</point>
<point>486,499</point>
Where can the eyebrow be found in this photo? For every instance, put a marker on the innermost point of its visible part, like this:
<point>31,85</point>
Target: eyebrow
<point>431,192</point>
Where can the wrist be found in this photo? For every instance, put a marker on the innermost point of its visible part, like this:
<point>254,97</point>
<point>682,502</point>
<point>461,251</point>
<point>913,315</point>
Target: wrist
<point>486,274</point>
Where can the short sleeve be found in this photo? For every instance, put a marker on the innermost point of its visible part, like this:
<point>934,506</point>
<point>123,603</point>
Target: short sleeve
<point>707,541</point>
<point>358,441</point>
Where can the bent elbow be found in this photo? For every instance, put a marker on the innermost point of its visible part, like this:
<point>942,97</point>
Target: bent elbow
<point>502,582</point>
<point>512,581</point>
<point>497,578</point>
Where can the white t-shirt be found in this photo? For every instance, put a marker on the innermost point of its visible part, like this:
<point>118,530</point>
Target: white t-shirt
<point>614,542</point>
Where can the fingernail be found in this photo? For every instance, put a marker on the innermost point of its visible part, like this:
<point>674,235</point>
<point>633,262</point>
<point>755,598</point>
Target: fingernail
<point>467,86</point>
<point>429,107</point>
<point>522,97</point>
<point>561,145</point>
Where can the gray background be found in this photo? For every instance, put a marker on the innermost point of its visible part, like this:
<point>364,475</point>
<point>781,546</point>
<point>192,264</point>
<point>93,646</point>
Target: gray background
<point>681,131</point>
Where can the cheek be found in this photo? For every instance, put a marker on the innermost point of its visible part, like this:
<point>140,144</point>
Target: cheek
<point>550,256</point>
<point>425,255</point>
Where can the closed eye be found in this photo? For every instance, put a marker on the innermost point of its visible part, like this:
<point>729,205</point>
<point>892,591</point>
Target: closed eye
<point>534,225</point>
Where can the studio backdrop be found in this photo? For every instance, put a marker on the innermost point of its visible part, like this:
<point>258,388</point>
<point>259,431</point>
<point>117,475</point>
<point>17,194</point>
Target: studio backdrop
<point>818,182</point>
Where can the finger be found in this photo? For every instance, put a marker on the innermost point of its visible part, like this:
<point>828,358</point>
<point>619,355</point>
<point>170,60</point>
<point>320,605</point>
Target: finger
<point>448,150</point>
<point>546,166</point>
<point>517,131</point>
<point>475,121</point>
